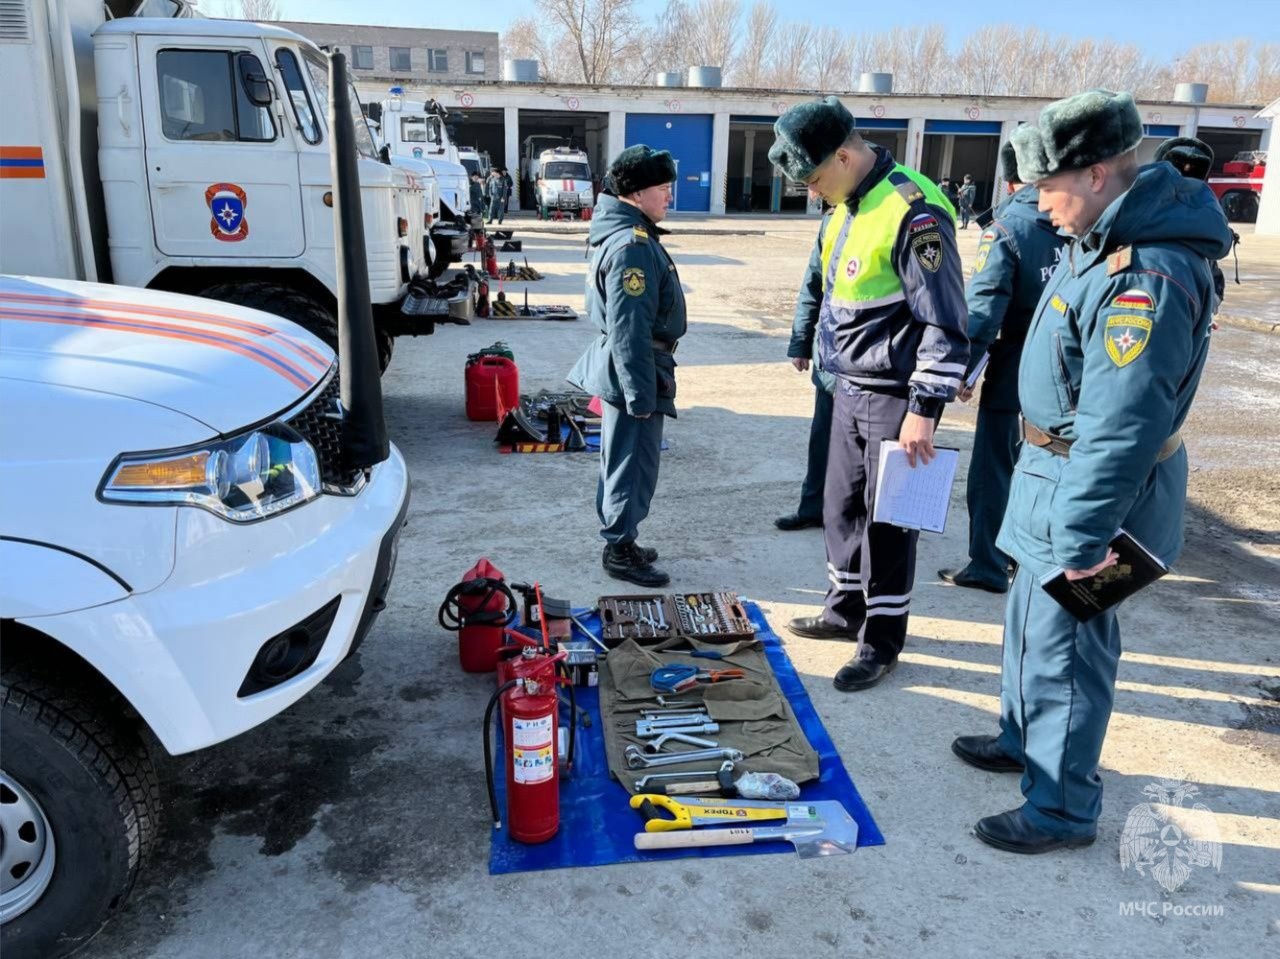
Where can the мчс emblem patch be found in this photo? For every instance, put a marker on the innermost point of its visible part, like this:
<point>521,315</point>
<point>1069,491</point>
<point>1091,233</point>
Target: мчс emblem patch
<point>980,260</point>
<point>1127,336</point>
<point>633,280</point>
<point>927,249</point>
<point>851,268</point>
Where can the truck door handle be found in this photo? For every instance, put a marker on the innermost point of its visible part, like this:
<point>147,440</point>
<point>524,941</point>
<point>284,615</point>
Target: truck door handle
<point>121,99</point>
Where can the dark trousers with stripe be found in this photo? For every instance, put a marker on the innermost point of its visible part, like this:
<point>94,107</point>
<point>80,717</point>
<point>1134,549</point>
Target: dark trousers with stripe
<point>995,450</point>
<point>630,452</point>
<point>1057,687</point>
<point>871,566</point>
<point>815,476</point>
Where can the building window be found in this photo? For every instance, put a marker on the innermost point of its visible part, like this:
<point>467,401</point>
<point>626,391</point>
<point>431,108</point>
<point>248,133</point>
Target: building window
<point>438,61</point>
<point>362,58</point>
<point>400,60</point>
<point>475,61</point>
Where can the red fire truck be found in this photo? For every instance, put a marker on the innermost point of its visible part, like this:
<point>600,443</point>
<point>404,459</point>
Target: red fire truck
<point>1239,186</point>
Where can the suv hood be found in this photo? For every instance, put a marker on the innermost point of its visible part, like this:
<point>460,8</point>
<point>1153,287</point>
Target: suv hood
<point>226,366</point>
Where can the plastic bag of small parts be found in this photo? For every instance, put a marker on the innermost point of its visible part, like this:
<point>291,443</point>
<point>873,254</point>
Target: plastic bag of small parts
<point>766,786</point>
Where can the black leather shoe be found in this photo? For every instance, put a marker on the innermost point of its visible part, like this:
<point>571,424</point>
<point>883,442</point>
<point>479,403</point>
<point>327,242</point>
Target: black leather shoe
<point>815,627</point>
<point>1011,832</point>
<point>961,577</point>
<point>984,753</point>
<point>625,562</point>
<point>647,553</point>
<point>859,674</point>
<point>795,521</point>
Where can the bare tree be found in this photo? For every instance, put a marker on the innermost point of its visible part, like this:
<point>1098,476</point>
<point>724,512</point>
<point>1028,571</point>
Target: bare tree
<point>529,39</point>
<point>756,50</point>
<point>980,64</point>
<point>712,32</point>
<point>790,62</point>
<point>260,11</point>
<point>598,30</point>
<point>916,56</point>
<point>830,59</point>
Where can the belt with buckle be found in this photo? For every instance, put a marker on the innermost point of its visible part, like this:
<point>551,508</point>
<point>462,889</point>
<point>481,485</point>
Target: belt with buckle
<point>1061,446</point>
<point>665,346</point>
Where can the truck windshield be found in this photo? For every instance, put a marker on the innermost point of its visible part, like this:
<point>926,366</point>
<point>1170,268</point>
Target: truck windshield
<point>473,166</point>
<point>319,71</point>
<point>564,170</point>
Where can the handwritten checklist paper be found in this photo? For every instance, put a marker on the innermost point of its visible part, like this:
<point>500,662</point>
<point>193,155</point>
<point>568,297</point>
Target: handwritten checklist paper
<point>914,498</point>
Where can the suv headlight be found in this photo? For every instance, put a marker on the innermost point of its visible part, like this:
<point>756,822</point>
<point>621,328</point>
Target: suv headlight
<point>245,478</point>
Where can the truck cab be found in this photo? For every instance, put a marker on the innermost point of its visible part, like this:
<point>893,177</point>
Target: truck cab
<point>191,155</point>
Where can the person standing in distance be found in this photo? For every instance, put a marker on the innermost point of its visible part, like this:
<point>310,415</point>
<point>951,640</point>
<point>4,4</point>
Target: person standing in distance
<point>891,329</point>
<point>1016,256</point>
<point>635,300</point>
<point>968,191</point>
<point>1109,370</point>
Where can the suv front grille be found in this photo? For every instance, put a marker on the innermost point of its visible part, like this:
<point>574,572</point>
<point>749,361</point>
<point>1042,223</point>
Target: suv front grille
<point>320,424</point>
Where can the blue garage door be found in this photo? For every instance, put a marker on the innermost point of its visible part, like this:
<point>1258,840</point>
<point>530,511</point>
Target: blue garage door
<point>689,140</point>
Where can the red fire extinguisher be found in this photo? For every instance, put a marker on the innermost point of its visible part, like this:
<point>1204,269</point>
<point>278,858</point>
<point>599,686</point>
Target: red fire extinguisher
<point>478,609</point>
<point>490,257</point>
<point>530,728</point>
<point>482,298</point>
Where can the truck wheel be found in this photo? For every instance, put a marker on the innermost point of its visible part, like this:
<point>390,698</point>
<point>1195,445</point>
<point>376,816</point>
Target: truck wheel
<point>282,301</point>
<point>444,254</point>
<point>79,811</point>
<point>386,346</point>
<point>1248,208</point>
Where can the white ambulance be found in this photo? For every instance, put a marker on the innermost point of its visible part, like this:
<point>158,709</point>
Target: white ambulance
<point>563,180</point>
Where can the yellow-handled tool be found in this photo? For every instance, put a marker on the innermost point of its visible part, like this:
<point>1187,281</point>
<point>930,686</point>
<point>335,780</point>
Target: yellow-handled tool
<point>688,812</point>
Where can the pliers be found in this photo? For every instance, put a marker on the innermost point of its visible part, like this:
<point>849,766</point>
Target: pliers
<point>674,679</point>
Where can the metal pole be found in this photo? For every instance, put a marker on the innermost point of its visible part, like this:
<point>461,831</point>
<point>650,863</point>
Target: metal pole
<point>364,431</point>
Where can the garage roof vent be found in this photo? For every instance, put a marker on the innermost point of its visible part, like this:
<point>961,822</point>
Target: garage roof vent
<point>1191,93</point>
<point>704,77</point>
<point>520,71</point>
<point>875,83</point>
<point>670,80</point>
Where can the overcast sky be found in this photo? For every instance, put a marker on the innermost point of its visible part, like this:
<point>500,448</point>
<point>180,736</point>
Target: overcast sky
<point>1162,27</point>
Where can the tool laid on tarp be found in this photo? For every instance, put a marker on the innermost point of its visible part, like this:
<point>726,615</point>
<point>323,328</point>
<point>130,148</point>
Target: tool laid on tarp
<point>676,679</point>
<point>504,308</point>
<point>652,618</point>
<point>690,812</point>
<point>525,273</point>
<point>816,829</point>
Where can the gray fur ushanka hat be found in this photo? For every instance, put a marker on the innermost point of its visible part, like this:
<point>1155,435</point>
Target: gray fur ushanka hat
<point>1077,132</point>
<point>807,135</point>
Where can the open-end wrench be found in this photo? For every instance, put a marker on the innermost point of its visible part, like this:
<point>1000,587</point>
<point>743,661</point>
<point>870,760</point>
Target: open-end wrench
<point>654,778</point>
<point>662,615</point>
<point>638,759</point>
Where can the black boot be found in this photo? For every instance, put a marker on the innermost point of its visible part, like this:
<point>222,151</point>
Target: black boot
<point>795,521</point>
<point>858,674</point>
<point>984,752</point>
<point>646,553</point>
<point>1012,832</point>
<point>624,561</point>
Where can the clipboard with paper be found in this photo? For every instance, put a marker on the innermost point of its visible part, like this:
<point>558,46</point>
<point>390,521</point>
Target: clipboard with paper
<point>914,498</point>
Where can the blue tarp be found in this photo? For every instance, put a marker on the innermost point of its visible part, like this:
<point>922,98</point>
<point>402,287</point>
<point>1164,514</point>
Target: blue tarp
<point>597,827</point>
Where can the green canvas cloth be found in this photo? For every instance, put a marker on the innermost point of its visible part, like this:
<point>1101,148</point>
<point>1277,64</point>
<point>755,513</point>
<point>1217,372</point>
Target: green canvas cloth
<point>754,716</point>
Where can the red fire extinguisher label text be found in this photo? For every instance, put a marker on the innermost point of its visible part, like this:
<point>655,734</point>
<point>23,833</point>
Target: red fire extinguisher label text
<point>531,733</point>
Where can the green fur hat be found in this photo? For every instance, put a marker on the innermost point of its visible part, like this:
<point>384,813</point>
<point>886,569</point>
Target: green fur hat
<point>807,135</point>
<point>1077,132</point>
<point>640,167</point>
<point>1191,157</point>
<point>1009,163</point>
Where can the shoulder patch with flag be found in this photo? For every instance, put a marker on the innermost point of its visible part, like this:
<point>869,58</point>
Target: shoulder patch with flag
<point>1135,300</point>
<point>633,280</point>
<point>922,221</point>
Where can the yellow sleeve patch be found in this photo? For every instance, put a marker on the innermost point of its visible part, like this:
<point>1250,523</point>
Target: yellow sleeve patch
<point>633,281</point>
<point>1127,336</point>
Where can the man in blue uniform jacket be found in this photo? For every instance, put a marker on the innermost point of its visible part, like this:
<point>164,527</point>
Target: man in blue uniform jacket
<point>1016,256</point>
<point>635,301</point>
<point>1109,370</point>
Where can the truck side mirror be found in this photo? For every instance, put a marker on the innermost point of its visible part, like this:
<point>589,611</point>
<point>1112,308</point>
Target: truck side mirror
<point>384,153</point>
<point>254,81</point>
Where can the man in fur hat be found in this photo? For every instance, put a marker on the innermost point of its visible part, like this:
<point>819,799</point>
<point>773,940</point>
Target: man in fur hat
<point>1110,367</point>
<point>635,300</point>
<point>891,327</point>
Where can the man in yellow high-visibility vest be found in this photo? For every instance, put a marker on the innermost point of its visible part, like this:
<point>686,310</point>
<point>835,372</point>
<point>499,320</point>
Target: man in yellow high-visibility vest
<point>892,330</point>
